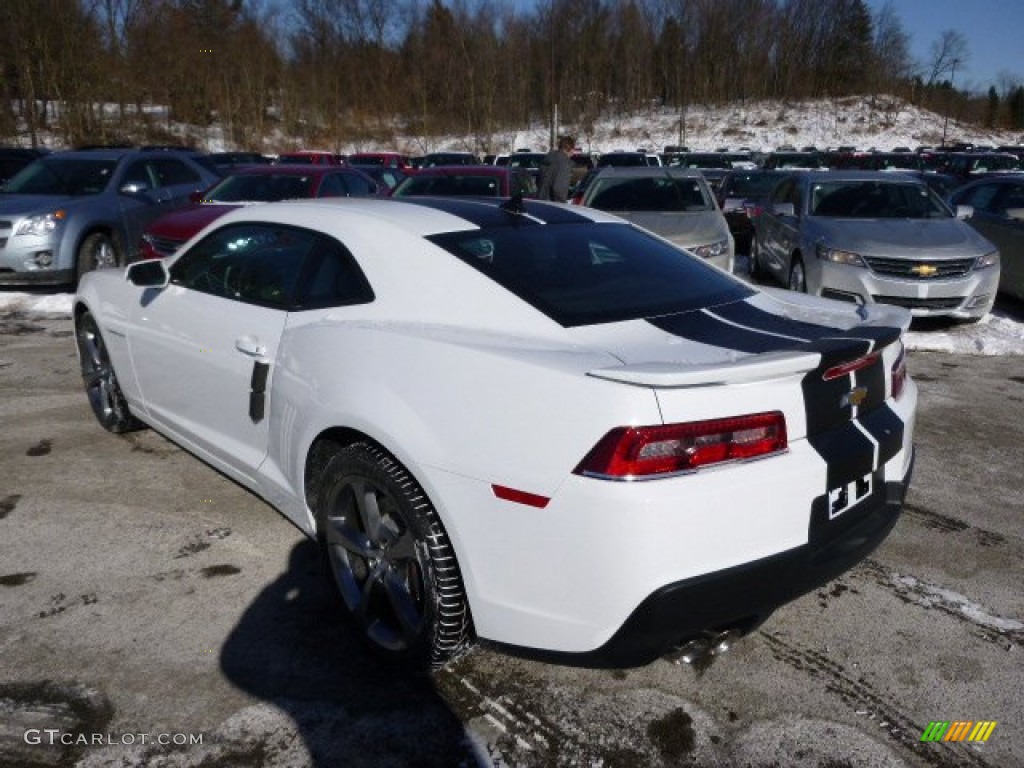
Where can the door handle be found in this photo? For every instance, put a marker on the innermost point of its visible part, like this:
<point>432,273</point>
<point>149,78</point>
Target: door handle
<point>250,345</point>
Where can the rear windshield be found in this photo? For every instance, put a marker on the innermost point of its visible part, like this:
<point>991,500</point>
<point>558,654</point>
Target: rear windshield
<point>450,184</point>
<point>587,273</point>
<point>261,187</point>
<point>649,193</point>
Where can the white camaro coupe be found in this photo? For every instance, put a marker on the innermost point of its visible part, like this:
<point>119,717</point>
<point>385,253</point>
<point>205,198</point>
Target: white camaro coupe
<point>524,423</point>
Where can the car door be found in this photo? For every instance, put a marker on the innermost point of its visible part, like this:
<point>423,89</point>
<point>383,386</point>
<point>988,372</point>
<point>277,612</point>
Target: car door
<point>780,230</point>
<point>142,200</point>
<point>997,216</point>
<point>204,347</point>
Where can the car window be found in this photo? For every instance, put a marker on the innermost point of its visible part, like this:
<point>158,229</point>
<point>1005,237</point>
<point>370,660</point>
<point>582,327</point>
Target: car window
<point>583,274</point>
<point>264,187</point>
<point>524,184</point>
<point>253,263</point>
<point>359,185</point>
<point>1012,198</point>
<point>875,200</point>
<point>62,176</point>
<point>981,197</point>
<point>332,185</point>
<point>139,173</point>
<point>170,171</point>
<point>335,279</point>
<point>653,193</point>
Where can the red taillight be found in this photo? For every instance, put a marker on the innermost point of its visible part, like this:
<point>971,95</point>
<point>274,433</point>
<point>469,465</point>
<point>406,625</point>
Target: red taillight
<point>520,497</point>
<point>845,369</point>
<point>899,374</point>
<point>636,452</point>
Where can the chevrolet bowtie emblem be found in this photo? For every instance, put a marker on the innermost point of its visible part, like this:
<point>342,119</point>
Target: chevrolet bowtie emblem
<point>854,397</point>
<point>924,270</point>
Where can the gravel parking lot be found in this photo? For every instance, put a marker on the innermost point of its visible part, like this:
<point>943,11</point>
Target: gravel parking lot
<point>153,613</point>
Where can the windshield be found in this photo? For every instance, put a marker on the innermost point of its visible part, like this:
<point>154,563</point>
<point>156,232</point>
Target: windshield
<point>260,187</point>
<point>876,200</point>
<point>753,184</point>
<point>585,274</point>
<point>62,176</point>
<point>649,193</point>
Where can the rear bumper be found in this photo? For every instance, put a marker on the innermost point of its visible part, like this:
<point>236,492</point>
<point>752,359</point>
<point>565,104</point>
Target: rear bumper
<point>741,597</point>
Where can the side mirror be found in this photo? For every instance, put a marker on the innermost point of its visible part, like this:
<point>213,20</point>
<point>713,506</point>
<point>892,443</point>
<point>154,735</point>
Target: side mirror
<point>964,211</point>
<point>151,273</point>
<point>784,209</point>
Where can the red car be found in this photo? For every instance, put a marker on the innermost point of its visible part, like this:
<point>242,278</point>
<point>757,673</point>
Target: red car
<point>382,159</point>
<point>257,184</point>
<point>310,157</point>
<point>468,181</point>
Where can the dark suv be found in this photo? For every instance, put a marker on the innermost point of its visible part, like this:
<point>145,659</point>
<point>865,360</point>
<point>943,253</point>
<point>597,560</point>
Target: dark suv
<point>70,212</point>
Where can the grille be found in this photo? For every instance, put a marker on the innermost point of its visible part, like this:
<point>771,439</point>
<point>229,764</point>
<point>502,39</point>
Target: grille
<point>913,303</point>
<point>165,246</point>
<point>905,268</point>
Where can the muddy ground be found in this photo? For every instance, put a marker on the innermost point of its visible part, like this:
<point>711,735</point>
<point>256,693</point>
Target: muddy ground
<point>145,598</point>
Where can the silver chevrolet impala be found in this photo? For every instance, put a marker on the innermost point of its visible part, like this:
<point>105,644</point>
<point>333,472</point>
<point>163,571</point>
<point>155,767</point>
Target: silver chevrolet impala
<point>874,237</point>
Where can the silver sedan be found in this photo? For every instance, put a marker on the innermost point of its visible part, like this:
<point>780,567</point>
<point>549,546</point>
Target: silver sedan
<point>997,212</point>
<point>875,237</point>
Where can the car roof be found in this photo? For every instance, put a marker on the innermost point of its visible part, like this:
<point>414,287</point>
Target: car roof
<point>647,171</point>
<point>468,170</point>
<point>855,175</point>
<point>291,170</point>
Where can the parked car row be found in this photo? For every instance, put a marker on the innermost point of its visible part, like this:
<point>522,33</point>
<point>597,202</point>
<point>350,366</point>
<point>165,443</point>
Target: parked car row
<point>858,236</point>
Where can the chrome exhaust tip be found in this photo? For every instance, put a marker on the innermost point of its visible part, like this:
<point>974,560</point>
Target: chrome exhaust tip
<point>704,648</point>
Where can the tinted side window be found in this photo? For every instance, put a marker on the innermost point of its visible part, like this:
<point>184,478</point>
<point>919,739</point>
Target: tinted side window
<point>249,262</point>
<point>171,171</point>
<point>138,173</point>
<point>359,185</point>
<point>332,186</point>
<point>334,278</point>
<point>981,197</point>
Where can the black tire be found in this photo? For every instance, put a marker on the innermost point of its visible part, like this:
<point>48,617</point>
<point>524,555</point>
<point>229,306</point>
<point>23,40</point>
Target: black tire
<point>389,556</point>
<point>797,275</point>
<point>98,251</point>
<point>101,386</point>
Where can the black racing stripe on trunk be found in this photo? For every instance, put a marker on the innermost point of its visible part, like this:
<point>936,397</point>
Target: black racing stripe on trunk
<point>885,425</point>
<point>824,404</point>
<point>847,452</point>
<point>872,379</point>
<point>745,313</point>
<point>701,327</point>
<point>838,350</point>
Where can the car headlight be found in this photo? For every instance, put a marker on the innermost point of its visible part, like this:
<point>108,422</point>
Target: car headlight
<point>988,260</point>
<point>837,256</point>
<point>42,223</point>
<point>711,250</point>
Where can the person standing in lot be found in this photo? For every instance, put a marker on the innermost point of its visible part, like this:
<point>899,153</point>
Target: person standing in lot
<point>556,171</point>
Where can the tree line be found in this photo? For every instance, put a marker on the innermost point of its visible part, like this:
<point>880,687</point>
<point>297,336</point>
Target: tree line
<point>331,73</point>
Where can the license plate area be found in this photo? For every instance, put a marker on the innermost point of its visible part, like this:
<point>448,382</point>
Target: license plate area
<point>844,497</point>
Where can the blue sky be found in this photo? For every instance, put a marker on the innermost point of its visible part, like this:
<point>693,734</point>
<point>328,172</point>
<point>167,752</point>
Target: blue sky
<point>994,30</point>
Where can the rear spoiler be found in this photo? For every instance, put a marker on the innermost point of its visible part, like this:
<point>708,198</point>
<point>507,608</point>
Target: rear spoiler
<point>768,365</point>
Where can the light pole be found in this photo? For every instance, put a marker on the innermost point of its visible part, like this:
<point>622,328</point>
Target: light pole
<point>952,77</point>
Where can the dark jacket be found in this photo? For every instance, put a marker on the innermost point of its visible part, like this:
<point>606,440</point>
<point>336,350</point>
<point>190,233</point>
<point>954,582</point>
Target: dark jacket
<point>555,175</point>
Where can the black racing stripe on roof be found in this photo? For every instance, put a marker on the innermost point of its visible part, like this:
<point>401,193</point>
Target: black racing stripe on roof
<point>487,212</point>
